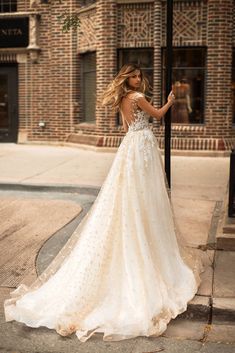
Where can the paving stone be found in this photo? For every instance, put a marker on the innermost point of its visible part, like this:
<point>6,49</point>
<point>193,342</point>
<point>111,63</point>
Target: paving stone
<point>182,329</point>
<point>206,285</point>
<point>224,278</point>
<point>194,226</point>
<point>164,345</point>
<point>222,333</point>
<point>25,225</point>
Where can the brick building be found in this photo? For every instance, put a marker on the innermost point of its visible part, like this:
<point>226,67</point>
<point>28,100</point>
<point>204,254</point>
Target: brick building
<point>50,80</point>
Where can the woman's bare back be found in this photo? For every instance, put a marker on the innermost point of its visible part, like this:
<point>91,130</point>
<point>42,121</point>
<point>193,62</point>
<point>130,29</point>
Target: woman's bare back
<point>129,107</point>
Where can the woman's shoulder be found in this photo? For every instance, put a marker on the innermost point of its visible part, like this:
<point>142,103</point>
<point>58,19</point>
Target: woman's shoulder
<point>135,95</point>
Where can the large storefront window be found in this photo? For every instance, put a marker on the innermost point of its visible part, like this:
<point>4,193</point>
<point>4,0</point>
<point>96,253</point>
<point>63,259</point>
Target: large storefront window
<point>138,56</point>
<point>188,79</point>
<point>8,5</point>
<point>233,85</point>
<point>88,86</point>
<point>141,57</point>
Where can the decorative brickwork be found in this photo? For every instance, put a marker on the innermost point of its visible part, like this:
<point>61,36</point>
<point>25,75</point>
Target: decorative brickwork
<point>135,25</point>
<point>189,23</point>
<point>87,31</point>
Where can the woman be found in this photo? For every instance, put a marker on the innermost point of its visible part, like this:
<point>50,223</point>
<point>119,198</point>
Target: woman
<point>121,273</point>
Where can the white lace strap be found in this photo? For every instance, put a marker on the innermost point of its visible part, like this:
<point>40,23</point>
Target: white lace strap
<point>137,95</point>
<point>135,98</point>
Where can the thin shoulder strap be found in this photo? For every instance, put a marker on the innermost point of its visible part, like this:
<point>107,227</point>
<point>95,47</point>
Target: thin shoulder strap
<point>135,99</point>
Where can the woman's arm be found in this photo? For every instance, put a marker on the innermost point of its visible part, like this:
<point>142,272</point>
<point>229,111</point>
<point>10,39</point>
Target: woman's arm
<point>154,112</point>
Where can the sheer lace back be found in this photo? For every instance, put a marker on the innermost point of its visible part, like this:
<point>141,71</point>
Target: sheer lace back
<point>135,118</point>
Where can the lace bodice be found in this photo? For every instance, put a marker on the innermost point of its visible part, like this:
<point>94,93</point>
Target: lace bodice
<point>140,122</point>
<point>139,117</point>
<point>145,139</point>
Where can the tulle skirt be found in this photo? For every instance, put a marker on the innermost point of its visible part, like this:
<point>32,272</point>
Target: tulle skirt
<point>123,273</point>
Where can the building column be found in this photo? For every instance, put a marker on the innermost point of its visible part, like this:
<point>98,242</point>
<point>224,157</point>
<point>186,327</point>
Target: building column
<point>106,59</point>
<point>219,61</point>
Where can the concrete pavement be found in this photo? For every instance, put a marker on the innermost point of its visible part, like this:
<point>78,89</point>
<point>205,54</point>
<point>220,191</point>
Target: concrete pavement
<point>40,177</point>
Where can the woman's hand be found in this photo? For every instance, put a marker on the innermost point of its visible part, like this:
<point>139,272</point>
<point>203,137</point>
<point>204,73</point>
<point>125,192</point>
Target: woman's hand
<point>171,98</point>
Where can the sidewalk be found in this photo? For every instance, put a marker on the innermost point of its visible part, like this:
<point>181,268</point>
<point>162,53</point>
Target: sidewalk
<point>198,188</point>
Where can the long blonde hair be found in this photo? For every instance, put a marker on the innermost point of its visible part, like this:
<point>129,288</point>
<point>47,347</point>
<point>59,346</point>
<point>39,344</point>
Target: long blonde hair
<point>119,87</point>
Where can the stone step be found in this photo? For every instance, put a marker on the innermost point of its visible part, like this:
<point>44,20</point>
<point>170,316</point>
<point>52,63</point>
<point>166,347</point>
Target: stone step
<point>226,242</point>
<point>223,310</point>
<point>215,310</point>
<point>225,235</point>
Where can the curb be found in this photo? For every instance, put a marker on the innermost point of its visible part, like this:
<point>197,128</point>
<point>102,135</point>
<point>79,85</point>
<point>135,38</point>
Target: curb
<point>214,310</point>
<point>224,310</point>
<point>86,189</point>
<point>198,309</point>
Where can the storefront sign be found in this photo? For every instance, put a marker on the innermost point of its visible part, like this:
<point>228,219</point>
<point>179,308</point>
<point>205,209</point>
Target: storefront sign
<point>14,32</point>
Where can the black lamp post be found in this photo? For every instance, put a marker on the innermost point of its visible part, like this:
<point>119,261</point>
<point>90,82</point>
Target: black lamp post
<point>169,53</point>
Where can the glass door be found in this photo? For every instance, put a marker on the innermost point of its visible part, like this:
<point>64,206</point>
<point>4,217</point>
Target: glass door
<point>8,104</point>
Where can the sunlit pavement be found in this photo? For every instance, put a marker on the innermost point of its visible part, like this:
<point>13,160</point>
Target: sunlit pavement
<point>37,178</point>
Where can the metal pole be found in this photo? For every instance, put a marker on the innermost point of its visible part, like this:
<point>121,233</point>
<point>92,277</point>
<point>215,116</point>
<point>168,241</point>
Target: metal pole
<point>169,53</point>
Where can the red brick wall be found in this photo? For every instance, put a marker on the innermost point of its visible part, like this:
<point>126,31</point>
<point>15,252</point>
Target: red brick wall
<point>219,62</point>
<point>215,33</point>
<point>106,53</point>
<point>50,89</point>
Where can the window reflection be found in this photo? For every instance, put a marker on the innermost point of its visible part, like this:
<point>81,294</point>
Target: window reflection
<point>141,57</point>
<point>188,78</point>
<point>88,86</point>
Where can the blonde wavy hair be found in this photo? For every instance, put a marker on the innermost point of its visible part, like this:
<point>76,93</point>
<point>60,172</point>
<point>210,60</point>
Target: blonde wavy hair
<point>119,87</point>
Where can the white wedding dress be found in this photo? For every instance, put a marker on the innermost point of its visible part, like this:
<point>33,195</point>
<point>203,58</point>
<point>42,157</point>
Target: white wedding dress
<point>122,273</point>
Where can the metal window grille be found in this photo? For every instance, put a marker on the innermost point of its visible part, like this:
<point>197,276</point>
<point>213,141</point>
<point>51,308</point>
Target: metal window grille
<point>8,6</point>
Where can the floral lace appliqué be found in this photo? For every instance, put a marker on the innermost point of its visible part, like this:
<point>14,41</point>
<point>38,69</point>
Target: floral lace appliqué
<point>140,123</point>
